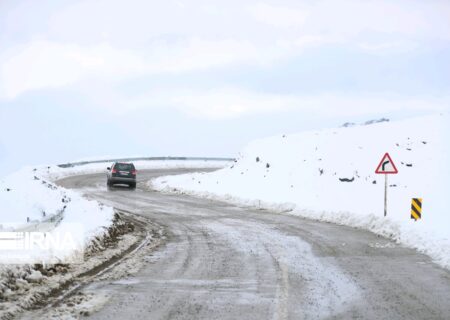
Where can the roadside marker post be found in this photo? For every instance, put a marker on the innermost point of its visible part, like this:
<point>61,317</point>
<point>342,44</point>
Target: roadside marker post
<point>416,209</point>
<point>386,166</point>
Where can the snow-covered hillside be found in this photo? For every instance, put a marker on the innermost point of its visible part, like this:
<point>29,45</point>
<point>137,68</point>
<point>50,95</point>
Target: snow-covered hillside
<point>330,175</point>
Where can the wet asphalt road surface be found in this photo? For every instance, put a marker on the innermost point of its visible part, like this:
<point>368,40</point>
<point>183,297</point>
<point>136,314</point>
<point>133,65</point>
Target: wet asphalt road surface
<point>221,261</point>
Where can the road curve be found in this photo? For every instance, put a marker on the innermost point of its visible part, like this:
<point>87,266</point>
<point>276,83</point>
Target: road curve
<point>221,261</point>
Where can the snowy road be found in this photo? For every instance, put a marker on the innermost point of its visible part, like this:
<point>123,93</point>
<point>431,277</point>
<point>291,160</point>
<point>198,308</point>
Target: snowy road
<point>225,262</point>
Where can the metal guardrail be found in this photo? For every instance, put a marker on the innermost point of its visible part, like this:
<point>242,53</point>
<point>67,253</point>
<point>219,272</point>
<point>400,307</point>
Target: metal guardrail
<point>81,163</point>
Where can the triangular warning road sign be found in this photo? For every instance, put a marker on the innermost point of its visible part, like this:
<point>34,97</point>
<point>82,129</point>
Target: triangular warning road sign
<point>386,165</point>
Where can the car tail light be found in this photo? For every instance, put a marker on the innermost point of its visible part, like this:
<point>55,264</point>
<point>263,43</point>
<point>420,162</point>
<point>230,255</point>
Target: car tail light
<point>133,172</point>
<point>114,171</point>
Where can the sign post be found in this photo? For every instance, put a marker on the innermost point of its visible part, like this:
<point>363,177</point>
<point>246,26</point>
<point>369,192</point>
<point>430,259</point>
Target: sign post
<point>385,193</point>
<point>386,167</point>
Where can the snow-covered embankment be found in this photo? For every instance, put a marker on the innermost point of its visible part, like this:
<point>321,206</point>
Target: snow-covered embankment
<point>329,175</point>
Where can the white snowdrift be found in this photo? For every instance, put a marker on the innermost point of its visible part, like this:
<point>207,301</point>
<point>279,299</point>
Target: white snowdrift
<point>302,174</point>
<point>29,202</point>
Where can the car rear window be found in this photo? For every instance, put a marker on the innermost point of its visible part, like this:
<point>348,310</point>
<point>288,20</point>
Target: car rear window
<point>124,166</point>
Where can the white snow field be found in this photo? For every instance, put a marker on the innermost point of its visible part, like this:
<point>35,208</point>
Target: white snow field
<point>329,175</point>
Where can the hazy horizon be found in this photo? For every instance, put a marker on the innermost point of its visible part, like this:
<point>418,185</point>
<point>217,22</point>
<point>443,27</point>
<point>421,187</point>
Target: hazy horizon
<point>203,78</point>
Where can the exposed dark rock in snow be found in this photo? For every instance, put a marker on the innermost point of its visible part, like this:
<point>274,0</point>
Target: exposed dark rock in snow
<point>369,122</point>
<point>347,180</point>
<point>257,159</point>
<point>376,121</point>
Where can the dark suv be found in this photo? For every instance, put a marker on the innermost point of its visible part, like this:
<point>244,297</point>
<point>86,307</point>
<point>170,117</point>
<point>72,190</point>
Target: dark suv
<point>121,173</point>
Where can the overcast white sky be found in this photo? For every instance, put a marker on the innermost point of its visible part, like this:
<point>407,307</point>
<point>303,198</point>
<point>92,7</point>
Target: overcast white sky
<point>86,78</point>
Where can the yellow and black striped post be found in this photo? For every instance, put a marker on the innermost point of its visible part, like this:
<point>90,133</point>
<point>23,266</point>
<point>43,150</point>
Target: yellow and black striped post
<point>416,208</point>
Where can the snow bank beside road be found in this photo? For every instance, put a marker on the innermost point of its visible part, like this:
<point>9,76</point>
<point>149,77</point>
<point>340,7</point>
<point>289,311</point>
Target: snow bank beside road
<point>29,202</point>
<point>329,175</point>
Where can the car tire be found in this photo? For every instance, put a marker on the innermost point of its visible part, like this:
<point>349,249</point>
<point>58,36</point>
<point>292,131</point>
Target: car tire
<point>133,185</point>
